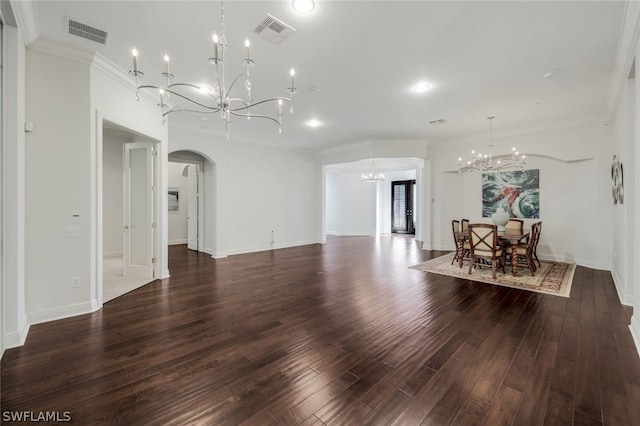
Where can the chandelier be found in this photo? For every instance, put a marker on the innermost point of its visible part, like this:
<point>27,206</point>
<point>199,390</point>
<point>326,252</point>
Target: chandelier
<point>373,176</point>
<point>489,163</point>
<point>217,98</point>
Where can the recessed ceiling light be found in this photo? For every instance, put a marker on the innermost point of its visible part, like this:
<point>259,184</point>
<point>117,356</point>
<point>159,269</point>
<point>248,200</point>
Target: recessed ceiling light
<point>313,123</point>
<point>421,87</point>
<point>303,6</point>
<point>549,74</point>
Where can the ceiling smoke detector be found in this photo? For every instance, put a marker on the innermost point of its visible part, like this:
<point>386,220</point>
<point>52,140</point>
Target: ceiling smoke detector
<point>273,29</point>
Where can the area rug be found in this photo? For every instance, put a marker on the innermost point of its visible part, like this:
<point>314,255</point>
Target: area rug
<point>551,277</point>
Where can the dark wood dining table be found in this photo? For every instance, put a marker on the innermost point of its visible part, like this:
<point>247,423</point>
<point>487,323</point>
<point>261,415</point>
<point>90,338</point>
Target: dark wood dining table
<point>508,238</point>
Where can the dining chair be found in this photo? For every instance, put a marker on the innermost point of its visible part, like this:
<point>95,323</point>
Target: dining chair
<point>535,246</point>
<point>483,244</point>
<point>455,229</point>
<point>465,225</point>
<point>526,251</point>
<point>514,225</point>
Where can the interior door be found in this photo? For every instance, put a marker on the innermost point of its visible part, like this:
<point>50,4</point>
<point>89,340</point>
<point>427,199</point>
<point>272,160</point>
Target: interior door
<point>403,206</point>
<point>192,208</point>
<point>138,209</point>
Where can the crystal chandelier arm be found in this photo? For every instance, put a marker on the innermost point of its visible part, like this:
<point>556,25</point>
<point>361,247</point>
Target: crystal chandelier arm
<point>258,103</point>
<point>173,92</point>
<point>197,111</point>
<point>254,116</point>
<point>193,86</point>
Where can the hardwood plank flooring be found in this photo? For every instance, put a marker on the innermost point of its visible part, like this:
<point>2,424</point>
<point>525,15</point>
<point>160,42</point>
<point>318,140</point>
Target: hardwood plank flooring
<point>342,333</point>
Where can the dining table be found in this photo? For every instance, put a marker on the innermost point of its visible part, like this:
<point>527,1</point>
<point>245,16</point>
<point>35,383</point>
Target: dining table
<point>509,238</point>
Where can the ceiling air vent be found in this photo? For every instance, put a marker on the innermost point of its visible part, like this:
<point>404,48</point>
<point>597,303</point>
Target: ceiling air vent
<point>438,122</point>
<point>273,29</point>
<point>86,31</point>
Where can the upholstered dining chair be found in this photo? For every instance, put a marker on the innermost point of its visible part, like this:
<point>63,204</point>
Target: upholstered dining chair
<point>526,252</point>
<point>465,225</point>
<point>514,225</point>
<point>483,244</point>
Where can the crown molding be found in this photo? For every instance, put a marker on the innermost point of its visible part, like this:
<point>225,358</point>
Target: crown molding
<point>116,73</point>
<point>372,142</point>
<point>62,50</point>
<point>553,125</point>
<point>26,15</point>
<point>625,54</point>
<point>223,137</point>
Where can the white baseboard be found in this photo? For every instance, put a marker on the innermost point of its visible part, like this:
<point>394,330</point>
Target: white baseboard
<point>17,338</point>
<point>271,247</point>
<point>62,312</point>
<point>625,299</point>
<point>178,242</point>
<point>635,330</point>
<point>350,234</point>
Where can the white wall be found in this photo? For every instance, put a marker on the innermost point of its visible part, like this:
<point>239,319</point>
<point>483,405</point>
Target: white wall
<point>58,186</point>
<point>355,203</point>
<point>332,206</point>
<point>15,324</point>
<point>574,195</point>
<point>178,218</point>
<point>258,189</point>
<point>623,128</point>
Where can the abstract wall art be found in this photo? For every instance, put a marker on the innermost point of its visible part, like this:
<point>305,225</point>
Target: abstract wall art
<point>518,193</point>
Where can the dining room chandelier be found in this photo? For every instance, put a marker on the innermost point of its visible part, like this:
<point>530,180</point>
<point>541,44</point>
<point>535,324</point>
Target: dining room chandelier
<point>489,162</point>
<point>373,176</point>
<point>218,98</point>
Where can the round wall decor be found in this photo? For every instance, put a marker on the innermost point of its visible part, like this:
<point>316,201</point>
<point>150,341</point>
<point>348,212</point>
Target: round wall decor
<point>617,181</point>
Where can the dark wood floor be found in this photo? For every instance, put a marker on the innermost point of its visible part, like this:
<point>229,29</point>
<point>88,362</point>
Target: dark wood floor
<point>342,333</point>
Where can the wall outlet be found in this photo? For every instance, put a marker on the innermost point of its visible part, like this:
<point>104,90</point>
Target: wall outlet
<point>75,282</point>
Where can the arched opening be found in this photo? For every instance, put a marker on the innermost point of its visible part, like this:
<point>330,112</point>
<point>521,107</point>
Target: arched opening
<point>191,192</point>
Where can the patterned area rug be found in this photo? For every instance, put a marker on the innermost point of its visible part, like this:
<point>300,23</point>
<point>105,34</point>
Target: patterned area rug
<point>551,278</point>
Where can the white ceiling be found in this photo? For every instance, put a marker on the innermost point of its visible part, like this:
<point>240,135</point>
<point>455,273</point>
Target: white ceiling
<point>482,58</point>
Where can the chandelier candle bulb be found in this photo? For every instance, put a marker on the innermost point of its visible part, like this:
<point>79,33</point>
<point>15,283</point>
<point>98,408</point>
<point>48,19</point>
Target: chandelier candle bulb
<point>134,52</point>
<point>247,44</point>
<point>215,46</point>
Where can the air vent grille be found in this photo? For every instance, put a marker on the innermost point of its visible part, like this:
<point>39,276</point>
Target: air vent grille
<point>87,32</point>
<point>273,29</point>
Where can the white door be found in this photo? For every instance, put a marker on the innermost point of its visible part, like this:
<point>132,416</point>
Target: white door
<point>192,209</point>
<point>138,209</point>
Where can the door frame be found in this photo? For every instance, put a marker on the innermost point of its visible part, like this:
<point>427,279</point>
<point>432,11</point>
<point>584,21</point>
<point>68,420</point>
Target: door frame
<point>411,196</point>
<point>151,148</point>
<point>159,236</point>
<point>200,164</point>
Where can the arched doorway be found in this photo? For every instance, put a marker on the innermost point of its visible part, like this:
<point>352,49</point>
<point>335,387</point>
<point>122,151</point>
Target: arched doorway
<point>191,192</point>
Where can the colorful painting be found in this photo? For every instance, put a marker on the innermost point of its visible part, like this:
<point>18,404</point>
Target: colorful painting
<point>518,193</point>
